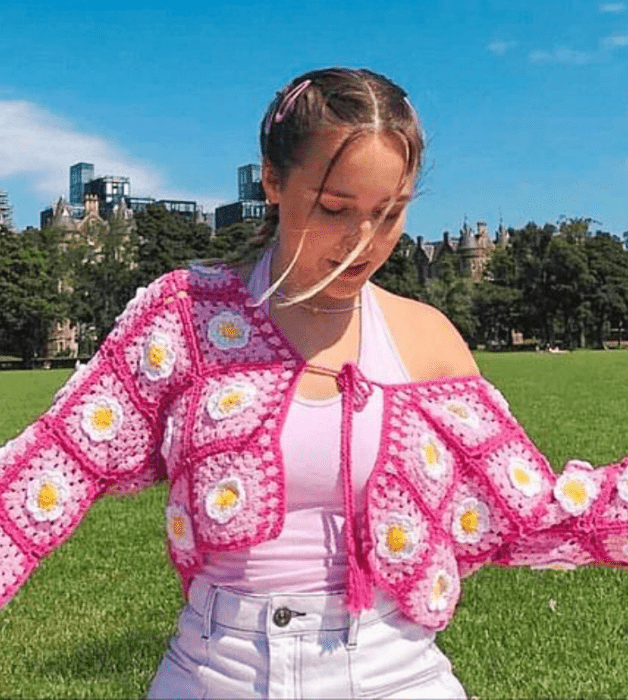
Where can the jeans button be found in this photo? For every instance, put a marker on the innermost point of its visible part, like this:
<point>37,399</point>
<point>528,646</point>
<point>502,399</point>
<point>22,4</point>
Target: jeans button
<point>282,617</point>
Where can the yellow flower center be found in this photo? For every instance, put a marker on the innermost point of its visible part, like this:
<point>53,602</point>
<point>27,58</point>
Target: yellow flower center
<point>459,410</point>
<point>575,490</point>
<point>230,330</point>
<point>396,538</point>
<point>440,586</point>
<point>470,521</point>
<point>47,496</point>
<point>157,355</point>
<point>231,402</point>
<point>178,526</point>
<point>432,455</point>
<point>521,476</point>
<point>103,418</point>
<point>226,497</point>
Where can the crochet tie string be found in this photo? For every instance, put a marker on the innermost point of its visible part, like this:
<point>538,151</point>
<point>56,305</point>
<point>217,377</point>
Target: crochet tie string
<point>350,380</point>
<point>355,389</point>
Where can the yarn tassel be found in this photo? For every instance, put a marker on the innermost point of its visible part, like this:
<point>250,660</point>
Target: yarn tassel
<point>359,588</point>
<point>353,386</point>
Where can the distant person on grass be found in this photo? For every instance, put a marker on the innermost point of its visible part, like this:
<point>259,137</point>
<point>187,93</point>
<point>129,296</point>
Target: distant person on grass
<point>336,463</point>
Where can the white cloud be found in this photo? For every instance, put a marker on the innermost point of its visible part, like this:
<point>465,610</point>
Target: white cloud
<point>500,47</point>
<point>564,55</point>
<point>613,7</point>
<point>40,147</point>
<point>615,41</point>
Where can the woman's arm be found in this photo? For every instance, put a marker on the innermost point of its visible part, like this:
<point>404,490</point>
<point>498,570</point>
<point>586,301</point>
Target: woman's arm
<point>548,520</point>
<point>102,434</point>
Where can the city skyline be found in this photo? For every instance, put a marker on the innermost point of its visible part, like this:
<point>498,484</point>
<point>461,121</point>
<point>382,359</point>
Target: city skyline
<point>522,105</point>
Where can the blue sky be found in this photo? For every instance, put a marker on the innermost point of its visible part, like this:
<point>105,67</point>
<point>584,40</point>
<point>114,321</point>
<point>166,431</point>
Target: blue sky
<point>525,103</point>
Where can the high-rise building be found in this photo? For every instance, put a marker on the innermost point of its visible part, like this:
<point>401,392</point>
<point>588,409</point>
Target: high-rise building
<point>110,190</point>
<point>250,183</point>
<point>239,212</point>
<point>6,210</point>
<point>80,175</point>
<point>251,204</point>
<point>103,195</point>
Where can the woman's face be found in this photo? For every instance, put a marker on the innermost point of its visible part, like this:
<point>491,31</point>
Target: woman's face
<point>362,183</point>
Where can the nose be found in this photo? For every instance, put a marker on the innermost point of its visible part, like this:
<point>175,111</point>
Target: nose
<point>365,227</point>
<point>358,233</point>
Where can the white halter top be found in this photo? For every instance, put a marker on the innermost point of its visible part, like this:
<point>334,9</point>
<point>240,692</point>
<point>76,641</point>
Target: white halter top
<point>309,554</point>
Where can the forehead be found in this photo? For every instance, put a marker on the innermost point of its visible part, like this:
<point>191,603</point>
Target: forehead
<point>371,161</point>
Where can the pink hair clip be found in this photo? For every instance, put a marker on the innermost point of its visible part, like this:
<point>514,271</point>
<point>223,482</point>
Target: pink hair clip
<point>288,101</point>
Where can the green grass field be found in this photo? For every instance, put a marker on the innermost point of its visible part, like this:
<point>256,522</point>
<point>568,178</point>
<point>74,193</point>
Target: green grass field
<point>95,618</point>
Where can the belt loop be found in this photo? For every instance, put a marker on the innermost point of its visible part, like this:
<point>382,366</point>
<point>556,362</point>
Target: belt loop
<point>352,632</point>
<point>208,612</point>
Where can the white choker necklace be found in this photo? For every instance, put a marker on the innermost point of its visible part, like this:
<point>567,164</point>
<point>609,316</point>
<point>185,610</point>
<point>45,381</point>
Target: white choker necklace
<point>319,309</point>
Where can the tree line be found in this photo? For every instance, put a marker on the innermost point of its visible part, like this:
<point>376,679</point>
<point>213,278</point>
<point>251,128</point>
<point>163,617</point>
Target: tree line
<point>552,283</point>
<point>54,274</point>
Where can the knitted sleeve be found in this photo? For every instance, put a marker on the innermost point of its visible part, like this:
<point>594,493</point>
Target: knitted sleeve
<point>101,435</point>
<point>510,508</point>
<point>492,494</point>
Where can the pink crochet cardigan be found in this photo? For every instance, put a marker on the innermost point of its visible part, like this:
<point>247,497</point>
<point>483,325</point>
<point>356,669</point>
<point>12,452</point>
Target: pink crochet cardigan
<point>194,383</point>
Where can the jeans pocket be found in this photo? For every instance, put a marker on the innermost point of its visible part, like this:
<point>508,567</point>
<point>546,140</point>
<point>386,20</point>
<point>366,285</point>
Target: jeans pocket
<point>191,640</point>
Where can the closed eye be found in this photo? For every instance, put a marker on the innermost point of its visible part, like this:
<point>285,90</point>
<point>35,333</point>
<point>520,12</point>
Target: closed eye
<point>331,212</point>
<point>391,216</point>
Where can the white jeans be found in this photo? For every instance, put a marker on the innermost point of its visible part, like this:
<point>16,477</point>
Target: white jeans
<point>233,645</point>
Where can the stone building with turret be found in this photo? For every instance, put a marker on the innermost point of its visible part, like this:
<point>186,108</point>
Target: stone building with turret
<point>471,251</point>
<point>63,215</point>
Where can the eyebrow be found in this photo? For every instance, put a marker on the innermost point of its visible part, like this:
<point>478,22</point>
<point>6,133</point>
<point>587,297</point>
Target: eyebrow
<point>346,195</point>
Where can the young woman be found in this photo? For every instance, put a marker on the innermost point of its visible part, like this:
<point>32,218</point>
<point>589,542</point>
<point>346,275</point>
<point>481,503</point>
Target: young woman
<point>336,463</point>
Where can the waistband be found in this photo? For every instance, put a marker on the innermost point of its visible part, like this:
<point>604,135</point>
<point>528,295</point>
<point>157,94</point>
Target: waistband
<point>281,613</point>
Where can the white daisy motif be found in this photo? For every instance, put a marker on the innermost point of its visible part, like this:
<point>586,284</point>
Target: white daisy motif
<point>524,477</point>
<point>102,418</point>
<point>398,537</point>
<point>622,485</point>
<point>471,521</point>
<point>230,400</point>
<point>575,492</point>
<point>228,330</point>
<point>433,456</point>
<point>179,527</point>
<point>442,584</point>
<point>158,357</point>
<point>462,413</point>
<point>225,499</point>
<point>46,496</point>
<point>498,397</point>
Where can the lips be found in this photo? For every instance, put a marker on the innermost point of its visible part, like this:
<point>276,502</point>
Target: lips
<point>353,270</point>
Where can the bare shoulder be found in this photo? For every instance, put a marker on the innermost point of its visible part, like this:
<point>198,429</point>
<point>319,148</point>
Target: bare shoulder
<point>427,340</point>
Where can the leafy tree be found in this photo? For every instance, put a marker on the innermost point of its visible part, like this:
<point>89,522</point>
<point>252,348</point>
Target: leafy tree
<point>452,294</point>
<point>167,240</point>
<point>608,292</point>
<point>234,242</point>
<point>103,278</point>
<point>31,299</point>
<point>496,299</point>
<point>530,249</point>
<point>399,273</point>
<point>567,280</point>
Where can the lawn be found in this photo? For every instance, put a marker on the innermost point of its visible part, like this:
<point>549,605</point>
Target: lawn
<point>95,619</point>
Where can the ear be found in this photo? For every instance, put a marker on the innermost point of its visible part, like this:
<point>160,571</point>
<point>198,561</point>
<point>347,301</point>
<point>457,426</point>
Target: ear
<point>271,182</point>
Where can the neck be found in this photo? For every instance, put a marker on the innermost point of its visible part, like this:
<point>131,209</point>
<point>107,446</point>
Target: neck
<point>315,308</point>
<point>315,305</point>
